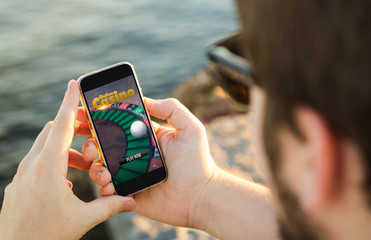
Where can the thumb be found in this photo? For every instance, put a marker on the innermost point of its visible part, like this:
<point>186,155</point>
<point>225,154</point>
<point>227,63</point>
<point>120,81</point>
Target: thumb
<point>177,115</point>
<point>103,208</point>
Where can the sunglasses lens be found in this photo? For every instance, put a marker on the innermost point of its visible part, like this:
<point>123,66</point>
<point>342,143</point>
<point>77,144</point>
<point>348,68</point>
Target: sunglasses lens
<point>238,92</point>
<point>234,86</point>
<point>232,69</point>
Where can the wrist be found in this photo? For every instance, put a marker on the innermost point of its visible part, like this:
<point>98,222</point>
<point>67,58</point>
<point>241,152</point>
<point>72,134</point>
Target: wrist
<point>201,210</point>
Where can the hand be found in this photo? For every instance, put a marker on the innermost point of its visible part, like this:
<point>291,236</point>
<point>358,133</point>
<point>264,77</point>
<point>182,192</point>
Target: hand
<point>39,204</point>
<point>190,167</point>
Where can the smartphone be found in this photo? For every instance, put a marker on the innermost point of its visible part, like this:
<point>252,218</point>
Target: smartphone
<point>121,127</point>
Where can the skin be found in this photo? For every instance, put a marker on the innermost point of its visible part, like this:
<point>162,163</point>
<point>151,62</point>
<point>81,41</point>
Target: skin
<point>197,191</point>
<point>324,173</point>
<point>39,204</point>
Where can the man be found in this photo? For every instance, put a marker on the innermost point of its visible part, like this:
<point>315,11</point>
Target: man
<point>312,111</point>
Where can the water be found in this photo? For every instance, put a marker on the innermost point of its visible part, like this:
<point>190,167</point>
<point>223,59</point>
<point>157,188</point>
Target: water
<point>45,43</point>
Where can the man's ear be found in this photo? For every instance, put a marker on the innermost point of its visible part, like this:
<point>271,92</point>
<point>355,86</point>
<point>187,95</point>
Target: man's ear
<point>321,163</point>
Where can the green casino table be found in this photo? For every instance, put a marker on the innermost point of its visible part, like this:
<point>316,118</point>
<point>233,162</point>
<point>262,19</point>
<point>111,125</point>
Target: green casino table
<point>132,156</point>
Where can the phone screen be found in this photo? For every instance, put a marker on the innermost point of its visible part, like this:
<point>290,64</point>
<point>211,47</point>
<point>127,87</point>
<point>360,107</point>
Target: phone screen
<point>123,130</point>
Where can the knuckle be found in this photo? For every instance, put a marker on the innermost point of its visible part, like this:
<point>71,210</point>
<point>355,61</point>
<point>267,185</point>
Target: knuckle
<point>174,101</point>
<point>112,209</point>
<point>57,124</point>
<point>93,172</point>
<point>200,126</point>
<point>38,165</point>
<point>20,169</point>
<point>90,144</point>
<point>42,157</point>
<point>38,171</point>
<point>8,188</point>
<point>200,130</point>
<point>49,124</point>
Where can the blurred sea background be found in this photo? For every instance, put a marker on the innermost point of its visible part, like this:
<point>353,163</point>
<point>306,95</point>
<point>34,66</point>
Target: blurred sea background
<point>44,44</point>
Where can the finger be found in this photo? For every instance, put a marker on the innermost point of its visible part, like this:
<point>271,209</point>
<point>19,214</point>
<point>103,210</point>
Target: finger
<point>81,129</point>
<point>59,140</point>
<point>99,174</point>
<point>41,138</point>
<point>161,131</point>
<point>171,109</point>
<point>75,160</point>
<point>89,150</point>
<point>107,207</point>
<point>62,131</point>
<point>155,125</point>
<point>158,128</point>
<point>36,148</point>
<point>81,116</point>
<point>106,190</point>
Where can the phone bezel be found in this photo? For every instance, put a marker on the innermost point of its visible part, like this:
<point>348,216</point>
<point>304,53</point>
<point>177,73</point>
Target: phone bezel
<point>102,77</point>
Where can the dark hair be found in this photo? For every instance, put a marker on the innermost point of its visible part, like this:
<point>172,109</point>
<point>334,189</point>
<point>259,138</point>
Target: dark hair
<point>314,53</point>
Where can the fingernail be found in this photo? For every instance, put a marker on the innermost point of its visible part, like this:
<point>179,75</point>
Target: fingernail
<point>70,84</point>
<point>129,206</point>
<point>98,174</point>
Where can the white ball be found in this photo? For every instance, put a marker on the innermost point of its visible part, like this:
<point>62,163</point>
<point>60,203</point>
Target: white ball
<point>138,129</point>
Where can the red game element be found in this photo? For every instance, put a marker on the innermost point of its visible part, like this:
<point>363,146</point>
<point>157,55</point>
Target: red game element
<point>70,185</point>
<point>92,109</point>
<point>155,163</point>
<point>146,122</point>
<point>124,105</point>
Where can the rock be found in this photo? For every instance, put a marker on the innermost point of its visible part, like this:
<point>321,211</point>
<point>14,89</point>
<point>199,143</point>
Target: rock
<point>202,95</point>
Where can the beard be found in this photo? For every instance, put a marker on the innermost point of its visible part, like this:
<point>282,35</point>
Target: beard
<point>293,222</point>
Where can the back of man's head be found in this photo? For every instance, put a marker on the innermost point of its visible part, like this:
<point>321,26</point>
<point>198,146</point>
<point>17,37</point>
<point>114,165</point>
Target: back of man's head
<point>315,54</point>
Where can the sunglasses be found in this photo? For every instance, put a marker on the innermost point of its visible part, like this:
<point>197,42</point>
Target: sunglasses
<point>232,70</point>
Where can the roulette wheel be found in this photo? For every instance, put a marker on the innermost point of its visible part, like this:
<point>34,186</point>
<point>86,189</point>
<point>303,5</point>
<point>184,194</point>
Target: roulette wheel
<point>126,138</point>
